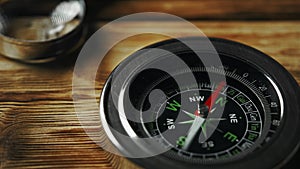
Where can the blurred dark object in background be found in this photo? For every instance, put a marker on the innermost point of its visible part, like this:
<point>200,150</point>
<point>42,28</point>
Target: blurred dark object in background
<point>200,10</point>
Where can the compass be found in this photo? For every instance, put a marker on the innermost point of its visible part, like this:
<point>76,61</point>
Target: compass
<point>242,113</point>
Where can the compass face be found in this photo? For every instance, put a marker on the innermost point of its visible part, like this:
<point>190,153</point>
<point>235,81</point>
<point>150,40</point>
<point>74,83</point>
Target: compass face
<point>233,133</point>
<point>240,117</point>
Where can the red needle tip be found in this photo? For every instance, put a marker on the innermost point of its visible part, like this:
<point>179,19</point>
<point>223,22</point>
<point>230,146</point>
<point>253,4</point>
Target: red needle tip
<point>197,113</point>
<point>212,98</point>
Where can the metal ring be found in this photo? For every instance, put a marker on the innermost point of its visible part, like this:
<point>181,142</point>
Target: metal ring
<point>39,31</point>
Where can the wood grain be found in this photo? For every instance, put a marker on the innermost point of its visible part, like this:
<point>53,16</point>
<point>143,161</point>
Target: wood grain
<point>38,124</point>
<point>204,9</point>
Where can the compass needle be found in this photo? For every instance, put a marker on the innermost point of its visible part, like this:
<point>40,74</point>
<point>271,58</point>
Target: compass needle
<point>189,114</point>
<point>193,131</point>
<point>203,127</point>
<point>186,122</point>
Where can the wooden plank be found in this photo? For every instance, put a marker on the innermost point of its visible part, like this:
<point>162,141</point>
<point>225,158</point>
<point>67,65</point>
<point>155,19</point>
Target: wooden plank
<point>38,123</point>
<point>281,40</point>
<point>204,9</point>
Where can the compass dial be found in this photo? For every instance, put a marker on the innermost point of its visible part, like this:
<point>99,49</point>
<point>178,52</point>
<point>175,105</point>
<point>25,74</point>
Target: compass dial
<point>233,114</point>
<point>234,132</point>
<point>249,114</point>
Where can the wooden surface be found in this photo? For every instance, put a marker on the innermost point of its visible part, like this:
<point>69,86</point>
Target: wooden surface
<point>38,124</point>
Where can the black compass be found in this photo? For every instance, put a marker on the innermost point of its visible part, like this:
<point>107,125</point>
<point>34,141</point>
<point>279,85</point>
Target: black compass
<point>242,113</point>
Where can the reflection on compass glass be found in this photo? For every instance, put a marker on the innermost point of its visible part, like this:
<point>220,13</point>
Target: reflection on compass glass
<point>239,120</point>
